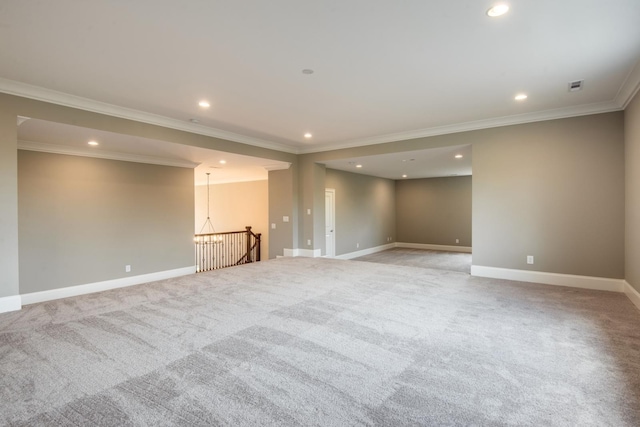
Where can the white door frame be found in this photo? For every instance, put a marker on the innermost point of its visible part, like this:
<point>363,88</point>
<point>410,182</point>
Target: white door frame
<point>330,235</point>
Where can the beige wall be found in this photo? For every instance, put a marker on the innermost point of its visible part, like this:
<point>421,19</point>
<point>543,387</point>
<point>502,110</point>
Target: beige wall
<point>233,207</point>
<point>434,211</point>
<point>554,190</point>
<point>9,276</point>
<point>81,220</point>
<point>365,210</point>
<point>283,200</point>
<point>632,191</point>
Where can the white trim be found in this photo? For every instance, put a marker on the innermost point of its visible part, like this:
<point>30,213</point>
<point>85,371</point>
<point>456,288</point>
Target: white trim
<point>24,90</point>
<point>278,167</point>
<point>367,251</point>
<point>585,282</point>
<point>560,113</point>
<point>73,291</point>
<point>38,93</point>
<point>12,303</point>
<point>630,87</point>
<point>310,253</point>
<point>632,294</point>
<point>101,154</point>
<point>465,249</point>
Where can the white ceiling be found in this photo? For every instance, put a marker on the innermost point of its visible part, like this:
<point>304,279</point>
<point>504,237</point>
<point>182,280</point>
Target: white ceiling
<point>383,70</point>
<point>41,135</point>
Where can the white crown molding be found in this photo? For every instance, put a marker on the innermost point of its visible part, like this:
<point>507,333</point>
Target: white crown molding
<point>106,285</point>
<point>22,119</point>
<point>100,154</point>
<point>570,280</point>
<point>281,167</point>
<point>560,113</point>
<point>629,88</point>
<point>38,93</point>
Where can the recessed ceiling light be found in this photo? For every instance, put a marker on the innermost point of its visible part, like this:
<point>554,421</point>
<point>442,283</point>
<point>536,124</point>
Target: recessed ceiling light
<point>358,166</point>
<point>204,104</point>
<point>307,135</point>
<point>94,143</point>
<point>404,176</point>
<point>498,10</point>
<point>307,71</point>
<point>222,162</point>
<point>520,97</point>
<point>458,156</point>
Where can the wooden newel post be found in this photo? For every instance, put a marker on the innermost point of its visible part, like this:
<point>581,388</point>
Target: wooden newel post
<point>248,244</point>
<point>258,242</point>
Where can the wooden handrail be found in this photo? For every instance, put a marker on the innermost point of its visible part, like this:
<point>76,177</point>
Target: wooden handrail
<point>226,249</point>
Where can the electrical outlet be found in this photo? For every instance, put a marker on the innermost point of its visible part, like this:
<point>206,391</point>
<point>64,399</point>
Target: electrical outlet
<point>457,240</point>
<point>357,245</point>
<point>308,242</point>
<point>529,259</point>
<point>273,226</point>
<point>127,269</point>
<point>308,211</point>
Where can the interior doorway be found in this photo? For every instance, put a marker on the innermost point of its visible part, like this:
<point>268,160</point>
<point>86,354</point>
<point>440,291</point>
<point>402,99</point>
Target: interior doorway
<point>330,221</point>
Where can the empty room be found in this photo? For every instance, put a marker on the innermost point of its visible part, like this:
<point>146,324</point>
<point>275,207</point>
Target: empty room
<point>320,213</point>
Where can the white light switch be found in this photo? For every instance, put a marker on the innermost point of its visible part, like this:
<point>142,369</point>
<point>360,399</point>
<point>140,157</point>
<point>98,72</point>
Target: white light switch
<point>308,211</point>
<point>273,226</point>
<point>285,219</point>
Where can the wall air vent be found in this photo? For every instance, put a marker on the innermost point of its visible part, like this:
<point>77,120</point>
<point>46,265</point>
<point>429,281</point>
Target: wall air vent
<point>576,85</point>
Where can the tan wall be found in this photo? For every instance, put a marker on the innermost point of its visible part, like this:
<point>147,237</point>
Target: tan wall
<point>9,276</point>
<point>434,211</point>
<point>554,190</point>
<point>365,210</point>
<point>632,191</point>
<point>283,193</point>
<point>81,220</point>
<point>234,206</point>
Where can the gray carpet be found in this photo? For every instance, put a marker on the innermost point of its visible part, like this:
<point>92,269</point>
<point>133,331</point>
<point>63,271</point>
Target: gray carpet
<point>324,342</point>
<point>423,258</point>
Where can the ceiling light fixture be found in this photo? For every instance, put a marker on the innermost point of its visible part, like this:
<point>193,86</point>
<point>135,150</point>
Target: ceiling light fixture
<point>307,135</point>
<point>458,156</point>
<point>498,10</point>
<point>204,104</point>
<point>222,162</point>
<point>358,166</point>
<point>94,143</point>
<point>520,97</point>
<point>404,176</point>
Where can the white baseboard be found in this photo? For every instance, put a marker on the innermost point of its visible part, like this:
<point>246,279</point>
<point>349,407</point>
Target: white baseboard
<point>367,251</point>
<point>12,303</point>
<point>465,249</point>
<point>73,291</point>
<point>310,253</point>
<point>585,282</point>
<point>632,294</point>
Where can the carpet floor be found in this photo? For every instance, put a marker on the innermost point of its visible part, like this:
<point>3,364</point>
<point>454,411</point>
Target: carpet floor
<point>301,341</point>
<point>423,258</point>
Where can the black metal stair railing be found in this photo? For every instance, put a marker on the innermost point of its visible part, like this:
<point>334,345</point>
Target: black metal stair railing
<point>226,249</point>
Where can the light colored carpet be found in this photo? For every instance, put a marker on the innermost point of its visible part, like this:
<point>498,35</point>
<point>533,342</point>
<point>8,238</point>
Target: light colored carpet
<point>299,341</point>
<point>423,258</point>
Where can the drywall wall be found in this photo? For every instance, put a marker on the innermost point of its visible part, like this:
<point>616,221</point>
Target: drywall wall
<point>283,189</point>
<point>434,211</point>
<point>9,277</point>
<point>365,210</point>
<point>234,206</point>
<point>554,190</point>
<point>632,192</point>
<point>81,220</point>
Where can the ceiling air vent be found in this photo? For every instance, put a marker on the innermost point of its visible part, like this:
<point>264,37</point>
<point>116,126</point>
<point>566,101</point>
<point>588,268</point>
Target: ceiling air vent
<point>576,85</point>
